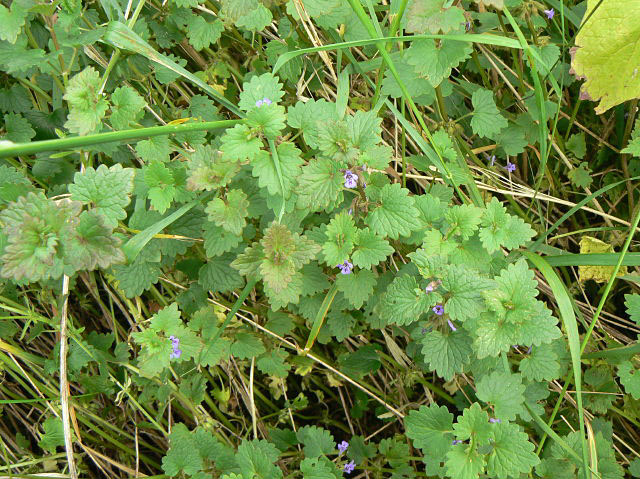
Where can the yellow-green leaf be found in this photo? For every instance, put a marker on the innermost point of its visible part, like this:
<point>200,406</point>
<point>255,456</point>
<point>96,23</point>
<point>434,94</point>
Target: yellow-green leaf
<point>608,53</point>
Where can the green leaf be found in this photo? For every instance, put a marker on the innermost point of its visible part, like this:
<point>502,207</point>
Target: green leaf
<point>108,190</point>
<point>161,183</point>
<point>12,20</point>
<point>436,62</point>
<point>156,148</point>
<point>218,276</point>
<point>268,119</point>
<point>504,391</point>
<point>473,424</point>
<point>633,148</point>
<point>230,213</point>
<point>136,277</point>
<point>487,120</point>
<point>576,144</point>
<point>217,240</point>
<point>357,286</point>
<point>541,365</point>
<point>264,169</point>
<point>319,468</point>
<point>514,316</point>
<point>466,289</point>
<point>18,128</point>
<point>201,33</point>
<point>246,346</point>
<point>309,118</point>
<point>463,220</point>
<point>53,434</point>
<point>183,454</point>
<point>404,302</point>
<point>629,378</point>
<point>273,364</point>
<point>446,354</point>
<point>393,213</point>
<point>582,176</point>
<point>610,68</point>
<point>431,429</point>
<point>87,106</point>
<point>319,185</point>
<point>430,16</point>
<point>239,143</point>
<point>127,108</point>
<point>208,170</point>
<point>341,232</point>
<point>512,454</point>
<point>256,20</point>
<point>370,249</point>
<point>93,244</point>
<point>502,229</point>
<point>256,459</point>
<point>464,462</point>
<point>632,302</point>
<point>259,87</point>
<point>18,58</point>
<point>317,441</point>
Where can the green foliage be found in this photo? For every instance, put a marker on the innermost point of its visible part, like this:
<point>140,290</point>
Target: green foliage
<point>246,239</point>
<point>87,107</point>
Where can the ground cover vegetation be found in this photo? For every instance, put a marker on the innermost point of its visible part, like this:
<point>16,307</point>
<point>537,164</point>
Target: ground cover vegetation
<point>319,239</point>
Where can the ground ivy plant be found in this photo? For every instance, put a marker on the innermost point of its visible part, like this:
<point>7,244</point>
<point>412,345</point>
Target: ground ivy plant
<point>249,243</point>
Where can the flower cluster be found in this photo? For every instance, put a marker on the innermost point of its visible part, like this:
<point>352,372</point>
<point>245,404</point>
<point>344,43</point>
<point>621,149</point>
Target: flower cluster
<point>175,343</point>
<point>349,467</point>
<point>350,179</point>
<point>346,267</point>
<point>438,309</point>
<point>264,101</point>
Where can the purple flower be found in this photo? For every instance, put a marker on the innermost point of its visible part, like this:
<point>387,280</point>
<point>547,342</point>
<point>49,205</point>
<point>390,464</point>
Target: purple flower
<point>467,26</point>
<point>549,13</point>
<point>343,446</point>
<point>429,288</point>
<point>350,179</point>
<point>346,267</point>
<point>453,328</point>
<point>176,353</point>
<point>349,467</point>
<point>456,441</point>
<point>494,419</point>
<point>175,345</point>
<point>264,101</point>
<point>350,211</point>
<point>511,167</point>
<point>438,309</point>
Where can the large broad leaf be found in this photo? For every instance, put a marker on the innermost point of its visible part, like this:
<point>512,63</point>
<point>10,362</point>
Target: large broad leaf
<point>608,48</point>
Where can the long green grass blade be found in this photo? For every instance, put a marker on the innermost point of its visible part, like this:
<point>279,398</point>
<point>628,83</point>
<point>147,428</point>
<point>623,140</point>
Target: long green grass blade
<point>573,338</point>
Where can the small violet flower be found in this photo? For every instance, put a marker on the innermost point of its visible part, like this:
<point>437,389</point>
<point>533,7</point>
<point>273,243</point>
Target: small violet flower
<point>438,309</point>
<point>264,101</point>
<point>456,441</point>
<point>346,267</point>
<point>549,13</point>
<point>511,167</point>
<point>453,328</point>
<point>349,467</point>
<point>175,344</point>
<point>350,179</point>
<point>342,447</point>
<point>494,420</point>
